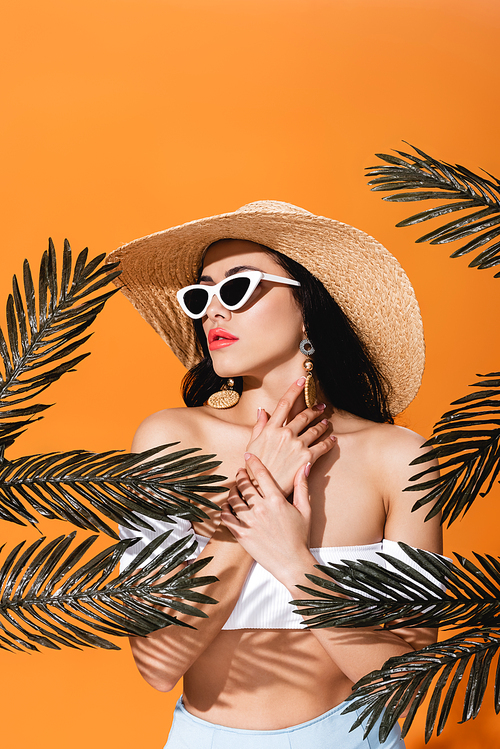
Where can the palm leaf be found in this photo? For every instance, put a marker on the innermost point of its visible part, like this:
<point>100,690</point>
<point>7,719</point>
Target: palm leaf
<point>39,347</point>
<point>379,595</point>
<point>81,486</point>
<point>422,177</point>
<point>47,599</point>
<point>404,682</point>
<point>467,440</point>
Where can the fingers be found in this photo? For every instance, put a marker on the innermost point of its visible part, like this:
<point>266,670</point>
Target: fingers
<point>322,447</point>
<point>310,435</point>
<point>282,410</point>
<point>261,422</point>
<point>315,442</point>
<point>264,479</point>
<point>243,494</point>
<point>301,421</point>
<point>314,438</point>
<point>301,499</point>
<point>245,488</point>
<point>240,498</point>
<point>229,518</point>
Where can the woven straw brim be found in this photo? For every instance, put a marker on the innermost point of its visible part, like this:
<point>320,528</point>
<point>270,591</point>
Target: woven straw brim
<point>362,276</point>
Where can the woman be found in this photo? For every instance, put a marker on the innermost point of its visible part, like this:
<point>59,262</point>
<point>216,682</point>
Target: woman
<point>271,288</point>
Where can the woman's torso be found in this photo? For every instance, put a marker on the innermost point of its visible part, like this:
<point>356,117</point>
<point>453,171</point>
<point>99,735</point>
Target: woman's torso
<point>269,679</point>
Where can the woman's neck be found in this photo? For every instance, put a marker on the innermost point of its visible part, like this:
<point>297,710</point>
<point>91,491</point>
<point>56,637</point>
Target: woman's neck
<point>265,392</point>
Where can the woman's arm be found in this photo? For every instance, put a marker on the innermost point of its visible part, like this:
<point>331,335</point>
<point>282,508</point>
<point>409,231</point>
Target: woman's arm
<point>276,534</point>
<point>404,525</point>
<point>165,655</point>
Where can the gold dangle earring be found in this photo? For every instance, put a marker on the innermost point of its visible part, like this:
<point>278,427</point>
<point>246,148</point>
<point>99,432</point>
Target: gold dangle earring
<point>307,349</point>
<point>226,397</point>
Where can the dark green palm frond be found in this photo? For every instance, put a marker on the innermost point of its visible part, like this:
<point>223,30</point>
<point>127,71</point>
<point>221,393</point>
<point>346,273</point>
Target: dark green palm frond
<point>49,596</point>
<point>422,177</point>
<point>404,682</point>
<point>119,486</point>
<point>377,595</point>
<point>40,345</point>
<point>467,440</point>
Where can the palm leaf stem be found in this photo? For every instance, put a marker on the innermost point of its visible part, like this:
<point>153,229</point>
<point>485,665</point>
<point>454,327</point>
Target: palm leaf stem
<point>422,177</point>
<point>363,593</point>
<point>127,488</point>
<point>467,442</point>
<point>47,600</point>
<point>408,678</point>
<point>42,342</point>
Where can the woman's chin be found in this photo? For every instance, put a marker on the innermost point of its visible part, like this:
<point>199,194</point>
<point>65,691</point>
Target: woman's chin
<point>225,370</point>
<point>224,367</point>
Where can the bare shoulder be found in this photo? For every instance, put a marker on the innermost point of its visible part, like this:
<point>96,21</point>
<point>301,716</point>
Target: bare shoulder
<point>380,443</point>
<point>386,451</point>
<point>397,449</point>
<point>395,444</point>
<point>170,425</point>
<point>392,450</point>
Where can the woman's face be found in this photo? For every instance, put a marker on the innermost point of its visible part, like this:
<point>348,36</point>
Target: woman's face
<point>265,333</point>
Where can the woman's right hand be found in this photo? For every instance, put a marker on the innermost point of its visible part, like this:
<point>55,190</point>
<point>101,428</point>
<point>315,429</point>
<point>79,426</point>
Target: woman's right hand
<point>284,448</point>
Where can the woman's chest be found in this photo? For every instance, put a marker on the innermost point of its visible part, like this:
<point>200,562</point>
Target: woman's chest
<point>346,501</point>
<point>347,508</point>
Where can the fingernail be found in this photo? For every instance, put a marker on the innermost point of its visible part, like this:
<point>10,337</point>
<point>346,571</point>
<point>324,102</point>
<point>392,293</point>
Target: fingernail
<point>325,421</point>
<point>307,470</point>
<point>319,407</point>
<point>258,412</point>
<point>301,381</point>
<point>247,456</point>
<point>333,437</point>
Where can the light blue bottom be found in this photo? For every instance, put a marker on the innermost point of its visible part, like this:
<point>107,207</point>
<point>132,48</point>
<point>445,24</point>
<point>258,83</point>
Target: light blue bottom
<point>328,731</point>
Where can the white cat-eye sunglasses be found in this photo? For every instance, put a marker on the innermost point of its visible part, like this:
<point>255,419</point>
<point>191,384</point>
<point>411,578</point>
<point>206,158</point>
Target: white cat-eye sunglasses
<point>232,292</point>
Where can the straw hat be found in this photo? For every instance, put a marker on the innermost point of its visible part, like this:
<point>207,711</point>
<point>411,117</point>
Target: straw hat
<point>365,280</point>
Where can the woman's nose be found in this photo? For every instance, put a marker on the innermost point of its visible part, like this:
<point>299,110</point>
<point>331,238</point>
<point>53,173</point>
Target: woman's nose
<point>217,311</point>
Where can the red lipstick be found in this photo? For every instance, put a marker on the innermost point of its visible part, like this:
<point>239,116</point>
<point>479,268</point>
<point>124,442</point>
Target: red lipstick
<point>220,338</point>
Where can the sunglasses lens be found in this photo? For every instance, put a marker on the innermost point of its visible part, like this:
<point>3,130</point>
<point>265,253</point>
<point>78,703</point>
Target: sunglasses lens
<point>196,300</point>
<point>233,290</point>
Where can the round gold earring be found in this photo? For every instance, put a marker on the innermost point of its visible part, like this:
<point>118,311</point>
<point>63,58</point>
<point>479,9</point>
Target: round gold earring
<point>226,397</point>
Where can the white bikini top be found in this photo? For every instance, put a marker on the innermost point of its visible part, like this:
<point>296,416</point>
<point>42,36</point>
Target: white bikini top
<point>264,603</point>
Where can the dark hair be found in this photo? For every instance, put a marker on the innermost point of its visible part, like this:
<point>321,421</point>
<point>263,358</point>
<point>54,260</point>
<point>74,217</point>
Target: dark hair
<point>348,377</point>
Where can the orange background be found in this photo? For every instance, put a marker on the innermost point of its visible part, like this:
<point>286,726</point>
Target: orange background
<point>123,117</point>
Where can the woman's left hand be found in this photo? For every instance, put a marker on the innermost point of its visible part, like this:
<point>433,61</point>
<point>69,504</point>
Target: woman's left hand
<point>273,531</point>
